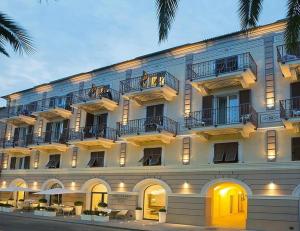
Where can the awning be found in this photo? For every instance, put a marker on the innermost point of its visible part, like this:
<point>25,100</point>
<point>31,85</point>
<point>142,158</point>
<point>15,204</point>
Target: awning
<point>17,189</point>
<point>57,191</point>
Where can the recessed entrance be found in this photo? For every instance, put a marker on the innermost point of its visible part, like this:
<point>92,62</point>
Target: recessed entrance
<point>55,199</point>
<point>228,205</point>
<point>154,200</point>
<point>98,195</point>
<point>20,195</point>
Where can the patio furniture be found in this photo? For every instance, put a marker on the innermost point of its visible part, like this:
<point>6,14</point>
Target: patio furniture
<point>67,210</point>
<point>122,214</point>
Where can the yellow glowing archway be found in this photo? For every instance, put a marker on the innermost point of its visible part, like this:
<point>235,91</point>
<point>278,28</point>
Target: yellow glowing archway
<point>227,203</point>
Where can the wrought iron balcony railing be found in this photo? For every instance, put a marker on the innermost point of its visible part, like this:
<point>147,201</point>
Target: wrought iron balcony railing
<point>95,132</point>
<point>96,92</point>
<point>222,116</point>
<point>48,137</point>
<point>290,108</point>
<point>148,81</point>
<point>284,56</point>
<point>24,110</point>
<point>225,65</point>
<point>151,124</point>
<point>63,102</point>
<point>14,142</point>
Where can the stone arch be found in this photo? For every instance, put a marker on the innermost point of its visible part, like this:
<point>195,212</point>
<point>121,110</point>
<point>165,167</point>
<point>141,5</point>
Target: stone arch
<point>17,181</point>
<point>205,189</point>
<point>91,182</point>
<point>146,182</point>
<point>50,182</point>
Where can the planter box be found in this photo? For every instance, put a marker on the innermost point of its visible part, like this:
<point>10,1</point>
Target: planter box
<point>78,210</point>
<point>38,212</point>
<point>101,218</point>
<point>86,217</point>
<point>162,217</point>
<point>138,215</point>
<point>49,214</point>
<point>8,210</point>
<point>43,204</point>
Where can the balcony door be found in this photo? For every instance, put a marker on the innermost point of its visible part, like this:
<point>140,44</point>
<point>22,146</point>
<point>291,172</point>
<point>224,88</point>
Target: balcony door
<point>154,117</point>
<point>101,124</point>
<point>227,109</point>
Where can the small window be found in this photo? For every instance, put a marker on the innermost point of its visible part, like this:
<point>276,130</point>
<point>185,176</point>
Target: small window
<point>152,157</point>
<point>97,159</point>
<point>295,148</point>
<point>226,153</point>
<point>54,161</point>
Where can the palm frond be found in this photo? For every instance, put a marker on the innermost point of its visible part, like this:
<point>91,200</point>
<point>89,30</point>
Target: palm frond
<point>249,12</point>
<point>293,26</point>
<point>166,11</point>
<point>15,35</point>
<point>2,49</point>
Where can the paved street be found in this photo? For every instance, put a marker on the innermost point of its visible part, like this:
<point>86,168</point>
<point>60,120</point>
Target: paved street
<point>14,223</point>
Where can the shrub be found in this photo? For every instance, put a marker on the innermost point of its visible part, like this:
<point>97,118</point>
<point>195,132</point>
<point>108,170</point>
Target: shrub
<point>78,203</point>
<point>21,200</point>
<point>87,212</point>
<point>40,208</point>
<point>103,214</point>
<point>138,208</point>
<point>43,200</point>
<point>7,206</point>
<point>11,199</point>
<point>102,205</point>
<point>163,210</point>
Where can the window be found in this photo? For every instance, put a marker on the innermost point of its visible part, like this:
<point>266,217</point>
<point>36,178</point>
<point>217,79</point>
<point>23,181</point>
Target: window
<point>295,148</point>
<point>54,161</point>
<point>226,153</point>
<point>97,159</point>
<point>13,161</point>
<point>152,157</point>
<point>24,162</point>
<point>154,117</point>
<point>226,65</point>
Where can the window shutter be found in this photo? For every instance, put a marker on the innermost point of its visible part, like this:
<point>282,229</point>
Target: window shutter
<point>245,102</point>
<point>207,109</point>
<point>296,148</point>
<point>13,161</point>
<point>27,162</point>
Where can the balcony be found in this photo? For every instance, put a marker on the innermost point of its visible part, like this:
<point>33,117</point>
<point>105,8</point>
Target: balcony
<point>234,122</point>
<point>91,137</point>
<point>152,130</point>
<point>289,63</point>
<point>234,71</point>
<point>290,113</point>
<point>18,146</point>
<point>20,115</point>
<point>150,87</point>
<point>54,108</point>
<point>96,99</point>
<point>49,141</point>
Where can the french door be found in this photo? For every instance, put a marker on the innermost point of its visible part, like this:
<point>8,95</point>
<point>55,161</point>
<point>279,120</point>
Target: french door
<point>227,109</point>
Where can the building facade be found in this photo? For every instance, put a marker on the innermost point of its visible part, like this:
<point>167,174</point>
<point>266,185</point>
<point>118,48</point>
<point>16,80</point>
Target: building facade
<point>209,131</point>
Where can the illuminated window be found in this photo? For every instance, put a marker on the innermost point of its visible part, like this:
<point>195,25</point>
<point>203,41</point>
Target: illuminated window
<point>5,161</point>
<point>74,157</point>
<point>186,150</point>
<point>271,145</point>
<point>40,127</point>
<point>77,121</point>
<point>36,160</point>
<point>123,155</point>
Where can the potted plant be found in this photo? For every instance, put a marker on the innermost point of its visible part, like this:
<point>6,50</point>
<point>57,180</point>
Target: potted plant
<point>20,204</point>
<point>162,215</point>
<point>49,212</point>
<point>43,202</point>
<point>39,211</point>
<point>11,201</point>
<point>101,216</point>
<point>86,215</point>
<point>78,207</point>
<point>138,214</point>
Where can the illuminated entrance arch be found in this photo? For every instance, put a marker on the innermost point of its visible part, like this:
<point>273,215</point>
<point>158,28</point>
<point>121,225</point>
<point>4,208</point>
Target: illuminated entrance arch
<point>227,202</point>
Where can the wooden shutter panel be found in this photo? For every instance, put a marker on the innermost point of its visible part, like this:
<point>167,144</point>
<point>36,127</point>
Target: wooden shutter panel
<point>89,121</point>
<point>245,102</point>
<point>16,134</point>
<point>207,109</point>
<point>295,89</point>
<point>13,161</point>
<point>27,162</point>
<point>296,148</point>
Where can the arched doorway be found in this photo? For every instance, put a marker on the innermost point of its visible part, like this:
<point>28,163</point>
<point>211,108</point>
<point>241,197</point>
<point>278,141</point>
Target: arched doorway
<point>154,199</point>
<point>55,199</point>
<point>227,202</point>
<point>98,195</point>
<point>20,195</point>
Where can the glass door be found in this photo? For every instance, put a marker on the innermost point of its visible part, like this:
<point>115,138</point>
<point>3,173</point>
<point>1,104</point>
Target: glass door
<point>233,109</point>
<point>227,110</point>
<point>221,110</point>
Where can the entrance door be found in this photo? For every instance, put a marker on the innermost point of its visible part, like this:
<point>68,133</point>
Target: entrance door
<point>98,195</point>
<point>55,199</point>
<point>229,206</point>
<point>154,117</point>
<point>154,200</point>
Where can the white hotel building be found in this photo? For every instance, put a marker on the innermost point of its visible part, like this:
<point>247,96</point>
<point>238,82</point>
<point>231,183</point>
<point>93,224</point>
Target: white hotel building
<point>208,130</point>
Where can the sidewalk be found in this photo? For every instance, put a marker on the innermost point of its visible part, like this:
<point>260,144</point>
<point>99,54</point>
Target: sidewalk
<point>126,225</point>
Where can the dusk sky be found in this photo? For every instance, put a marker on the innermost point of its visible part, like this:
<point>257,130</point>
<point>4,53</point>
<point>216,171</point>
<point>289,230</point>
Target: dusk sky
<point>73,36</point>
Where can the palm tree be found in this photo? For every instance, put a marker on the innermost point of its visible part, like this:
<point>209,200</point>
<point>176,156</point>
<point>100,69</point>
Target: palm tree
<point>14,35</point>
<point>249,12</point>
